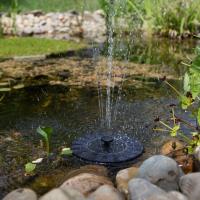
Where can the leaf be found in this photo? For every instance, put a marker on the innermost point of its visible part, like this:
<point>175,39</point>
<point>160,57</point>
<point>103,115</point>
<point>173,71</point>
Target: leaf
<point>195,134</point>
<point>19,86</point>
<point>5,89</point>
<point>4,84</point>
<point>37,161</point>
<point>30,167</point>
<point>66,151</point>
<point>174,130</point>
<point>198,116</point>
<point>186,84</point>
<point>185,102</point>
<point>45,132</point>
<point>2,97</point>
<point>190,149</point>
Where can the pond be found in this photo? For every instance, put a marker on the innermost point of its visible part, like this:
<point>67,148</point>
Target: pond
<point>72,109</point>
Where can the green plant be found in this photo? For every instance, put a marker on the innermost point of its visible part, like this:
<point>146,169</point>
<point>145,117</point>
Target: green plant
<point>30,167</point>
<point>66,151</point>
<point>46,133</point>
<point>163,16</point>
<point>190,101</point>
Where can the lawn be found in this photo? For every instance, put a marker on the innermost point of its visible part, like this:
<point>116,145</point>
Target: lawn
<point>35,46</point>
<point>50,5</point>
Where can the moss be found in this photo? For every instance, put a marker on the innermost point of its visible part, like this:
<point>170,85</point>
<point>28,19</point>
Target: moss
<point>35,46</point>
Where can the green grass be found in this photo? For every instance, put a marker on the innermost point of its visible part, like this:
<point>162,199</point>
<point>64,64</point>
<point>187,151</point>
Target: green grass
<point>50,5</point>
<point>35,46</point>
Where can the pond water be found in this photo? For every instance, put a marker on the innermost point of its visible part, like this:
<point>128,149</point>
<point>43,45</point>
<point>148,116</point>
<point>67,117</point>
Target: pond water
<point>73,111</point>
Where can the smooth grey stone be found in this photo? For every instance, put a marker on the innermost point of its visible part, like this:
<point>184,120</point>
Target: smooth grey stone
<point>190,185</point>
<point>176,196</point>
<point>106,192</point>
<point>141,189</point>
<point>63,194</point>
<point>161,171</point>
<point>21,194</point>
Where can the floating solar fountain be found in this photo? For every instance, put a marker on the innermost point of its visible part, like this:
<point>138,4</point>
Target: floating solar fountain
<point>107,148</point>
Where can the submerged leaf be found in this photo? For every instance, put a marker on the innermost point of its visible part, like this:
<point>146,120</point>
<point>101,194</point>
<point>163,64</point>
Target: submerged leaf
<point>5,89</point>
<point>19,86</point>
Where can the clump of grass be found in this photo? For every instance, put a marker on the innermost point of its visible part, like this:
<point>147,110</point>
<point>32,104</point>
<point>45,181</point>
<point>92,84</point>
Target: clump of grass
<point>166,15</point>
<point>35,46</point>
<point>159,16</point>
<point>52,5</point>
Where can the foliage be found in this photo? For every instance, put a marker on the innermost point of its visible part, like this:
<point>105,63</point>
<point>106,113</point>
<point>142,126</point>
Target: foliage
<point>46,133</point>
<point>35,46</point>
<point>189,101</point>
<point>30,167</point>
<point>159,16</point>
<point>51,5</point>
<point>66,151</point>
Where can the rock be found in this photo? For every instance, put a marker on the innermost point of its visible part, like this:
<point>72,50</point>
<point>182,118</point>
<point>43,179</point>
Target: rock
<point>143,189</point>
<point>175,149</point>
<point>86,183</point>
<point>123,177</point>
<point>197,159</point>
<point>176,196</point>
<point>59,194</point>
<point>197,153</point>
<point>64,74</point>
<point>161,171</point>
<point>91,169</point>
<point>189,185</point>
<point>92,26</point>
<point>170,146</point>
<point>106,192</point>
<point>21,194</point>
<point>186,162</point>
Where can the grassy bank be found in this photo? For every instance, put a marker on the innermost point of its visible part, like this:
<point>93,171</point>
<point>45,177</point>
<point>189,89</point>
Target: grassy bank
<point>178,18</point>
<point>49,5</point>
<point>34,46</point>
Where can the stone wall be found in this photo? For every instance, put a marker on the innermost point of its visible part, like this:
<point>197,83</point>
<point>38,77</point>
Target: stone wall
<point>68,25</point>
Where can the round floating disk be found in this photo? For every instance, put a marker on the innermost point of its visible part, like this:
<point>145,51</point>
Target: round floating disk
<point>107,148</point>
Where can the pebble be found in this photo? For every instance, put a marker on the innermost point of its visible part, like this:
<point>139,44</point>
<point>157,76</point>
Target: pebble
<point>106,192</point>
<point>141,189</point>
<point>123,177</point>
<point>161,171</point>
<point>86,183</point>
<point>21,194</point>
<point>190,184</point>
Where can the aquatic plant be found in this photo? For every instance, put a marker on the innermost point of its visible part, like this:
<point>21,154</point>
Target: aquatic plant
<point>46,133</point>
<point>66,151</point>
<point>190,101</point>
<point>30,167</point>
